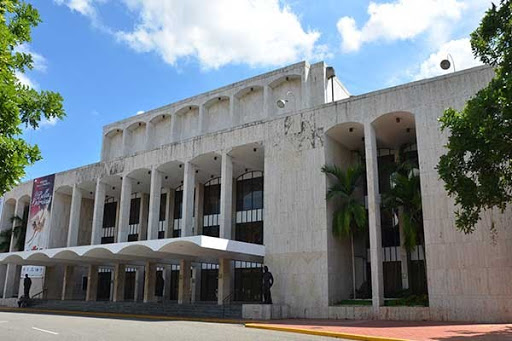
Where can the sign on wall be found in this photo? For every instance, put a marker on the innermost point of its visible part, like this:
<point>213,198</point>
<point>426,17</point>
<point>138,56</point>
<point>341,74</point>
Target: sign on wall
<point>38,227</point>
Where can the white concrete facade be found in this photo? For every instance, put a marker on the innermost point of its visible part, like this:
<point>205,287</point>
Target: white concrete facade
<point>223,134</point>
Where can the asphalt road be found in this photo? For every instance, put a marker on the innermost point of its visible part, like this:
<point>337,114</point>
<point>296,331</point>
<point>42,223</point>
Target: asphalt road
<point>30,327</point>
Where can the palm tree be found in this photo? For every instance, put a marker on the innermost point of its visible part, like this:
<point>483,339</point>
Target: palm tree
<point>351,215</point>
<point>404,196</point>
<point>18,231</point>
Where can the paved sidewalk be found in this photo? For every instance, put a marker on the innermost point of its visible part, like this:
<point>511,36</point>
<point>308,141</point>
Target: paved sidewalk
<point>394,330</point>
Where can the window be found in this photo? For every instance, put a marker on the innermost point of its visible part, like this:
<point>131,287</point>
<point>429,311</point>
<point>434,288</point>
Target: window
<point>249,191</point>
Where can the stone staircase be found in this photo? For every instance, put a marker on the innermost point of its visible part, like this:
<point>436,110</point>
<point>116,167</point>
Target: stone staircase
<point>197,310</point>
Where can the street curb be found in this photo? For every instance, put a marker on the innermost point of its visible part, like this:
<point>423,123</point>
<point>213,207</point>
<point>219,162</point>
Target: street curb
<point>321,333</point>
<point>117,315</point>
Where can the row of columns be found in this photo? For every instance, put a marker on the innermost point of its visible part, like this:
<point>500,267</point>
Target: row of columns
<point>189,184</point>
<point>185,294</point>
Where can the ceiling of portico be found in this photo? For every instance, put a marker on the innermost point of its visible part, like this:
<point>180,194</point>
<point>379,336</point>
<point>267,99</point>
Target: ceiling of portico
<point>395,129</point>
<point>172,174</point>
<point>207,166</point>
<point>249,157</point>
<point>350,135</point>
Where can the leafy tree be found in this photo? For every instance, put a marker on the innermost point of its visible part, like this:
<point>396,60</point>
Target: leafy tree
<point>477,170</point>
<point>19,104</point>
<point>351,217</point>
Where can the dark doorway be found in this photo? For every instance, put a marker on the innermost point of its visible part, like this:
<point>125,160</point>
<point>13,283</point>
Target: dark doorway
<point>129,286</point>
<point>209,282</point>
<point>175,279</point>
<point>104,279</point>
<point>248,282</point>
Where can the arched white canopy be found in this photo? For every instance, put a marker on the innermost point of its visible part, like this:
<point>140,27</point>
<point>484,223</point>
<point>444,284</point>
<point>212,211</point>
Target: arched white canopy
<point>165,251</point>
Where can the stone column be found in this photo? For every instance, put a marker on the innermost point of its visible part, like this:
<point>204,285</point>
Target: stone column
<point>199,205</point>
<point>202,110</point>
<point>99,207</point>
<point>167,282</point>
<point>149,282</point>
<point>196,283</point>
<point>18,212</point>
<point>74,216</point>
<point>188,199</point>
<point>226,196</point>
<point>144,215</point>
<point>68,283</point>
<point>154,203</point>
<point>169,213</point>
<point>266,101</point>
<point>184,282</point>
<point>92,283</point>
<point>12,280</point>
<point>224,286</point>
<point>139,284</point>
<point>119,281</point>
<point>403,252</point>
<point>372,179</point>
<point>124,210</point>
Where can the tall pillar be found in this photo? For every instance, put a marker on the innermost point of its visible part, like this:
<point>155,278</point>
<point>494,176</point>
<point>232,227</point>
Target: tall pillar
<point>184,282</point>
<point>92,283</point>
<point>99,207</point>
<point>154,203</point>
<point>199,205</point>
<point>266,101</point>
<point>144,216</point>
<point>149,282</point>
<point>403,252</point>
<point>189,183</point>
<point>167,282</point>
<point>124,210</point>
<point>202,125</point>
<point>18,212</point>
<point>139,284</point>
<point>12,281</point>
<point>74,216</point>
<point>68,283</point>
<point>119,281</point>
<point>372,179</point>
<point>224,278</point>
<point>169,213</point>
<point>226,196</point>
<point>196,283</point>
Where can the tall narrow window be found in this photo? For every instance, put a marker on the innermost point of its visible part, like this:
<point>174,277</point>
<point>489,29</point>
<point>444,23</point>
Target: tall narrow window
<point>249,207</point>
<point>211,208</point>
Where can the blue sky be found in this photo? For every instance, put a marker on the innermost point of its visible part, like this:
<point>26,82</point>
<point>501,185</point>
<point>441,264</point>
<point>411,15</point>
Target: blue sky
<point>113,58</point>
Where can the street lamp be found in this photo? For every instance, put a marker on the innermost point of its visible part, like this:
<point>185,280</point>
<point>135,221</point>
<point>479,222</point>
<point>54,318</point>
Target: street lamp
<point>445,63</point>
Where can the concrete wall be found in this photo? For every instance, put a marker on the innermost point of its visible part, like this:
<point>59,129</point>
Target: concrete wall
<point>85,228</point>
<point>61,209</point>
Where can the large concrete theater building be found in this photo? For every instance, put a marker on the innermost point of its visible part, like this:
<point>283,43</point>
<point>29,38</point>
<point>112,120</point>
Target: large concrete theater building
<point>190,200</point>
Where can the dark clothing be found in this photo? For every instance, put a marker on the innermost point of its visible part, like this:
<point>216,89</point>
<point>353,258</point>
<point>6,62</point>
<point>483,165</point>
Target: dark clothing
<point>27,283</point>
<point>268,281</point>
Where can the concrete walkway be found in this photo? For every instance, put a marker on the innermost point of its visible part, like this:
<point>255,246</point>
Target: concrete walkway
<point>393,330</point>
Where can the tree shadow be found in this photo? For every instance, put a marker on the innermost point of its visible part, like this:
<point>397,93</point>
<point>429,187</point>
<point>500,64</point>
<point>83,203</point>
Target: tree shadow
<point>467,335</point>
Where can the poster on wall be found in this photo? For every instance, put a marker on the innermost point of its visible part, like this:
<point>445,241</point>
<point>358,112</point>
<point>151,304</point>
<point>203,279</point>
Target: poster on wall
<point>38,225</point>
<point>39,216</point>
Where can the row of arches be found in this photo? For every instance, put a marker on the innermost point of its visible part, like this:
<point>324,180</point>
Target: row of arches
<point>249,104</point>
<point>391,141</point>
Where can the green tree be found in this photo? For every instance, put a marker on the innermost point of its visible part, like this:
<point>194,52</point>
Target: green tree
<point>19,105</point>
<point>19,232</point>
<point>477,170</point>
<point>351,215</point>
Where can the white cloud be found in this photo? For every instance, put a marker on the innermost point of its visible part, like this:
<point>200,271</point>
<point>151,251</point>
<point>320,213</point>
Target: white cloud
<point>25,80</point>
<point>459,50</point>
<point>84,7</point>
<point>140,112</point>
<point>401,20</point>
<point>48,122</point>
<point>39,62</point>
<point>214,32</point>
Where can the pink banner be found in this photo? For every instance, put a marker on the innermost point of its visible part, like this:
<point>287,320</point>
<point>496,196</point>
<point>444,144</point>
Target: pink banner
<point>39,217</point>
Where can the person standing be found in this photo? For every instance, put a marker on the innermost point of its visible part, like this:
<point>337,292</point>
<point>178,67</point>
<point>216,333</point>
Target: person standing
<point>268,281</point>
<point>27,283</point>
